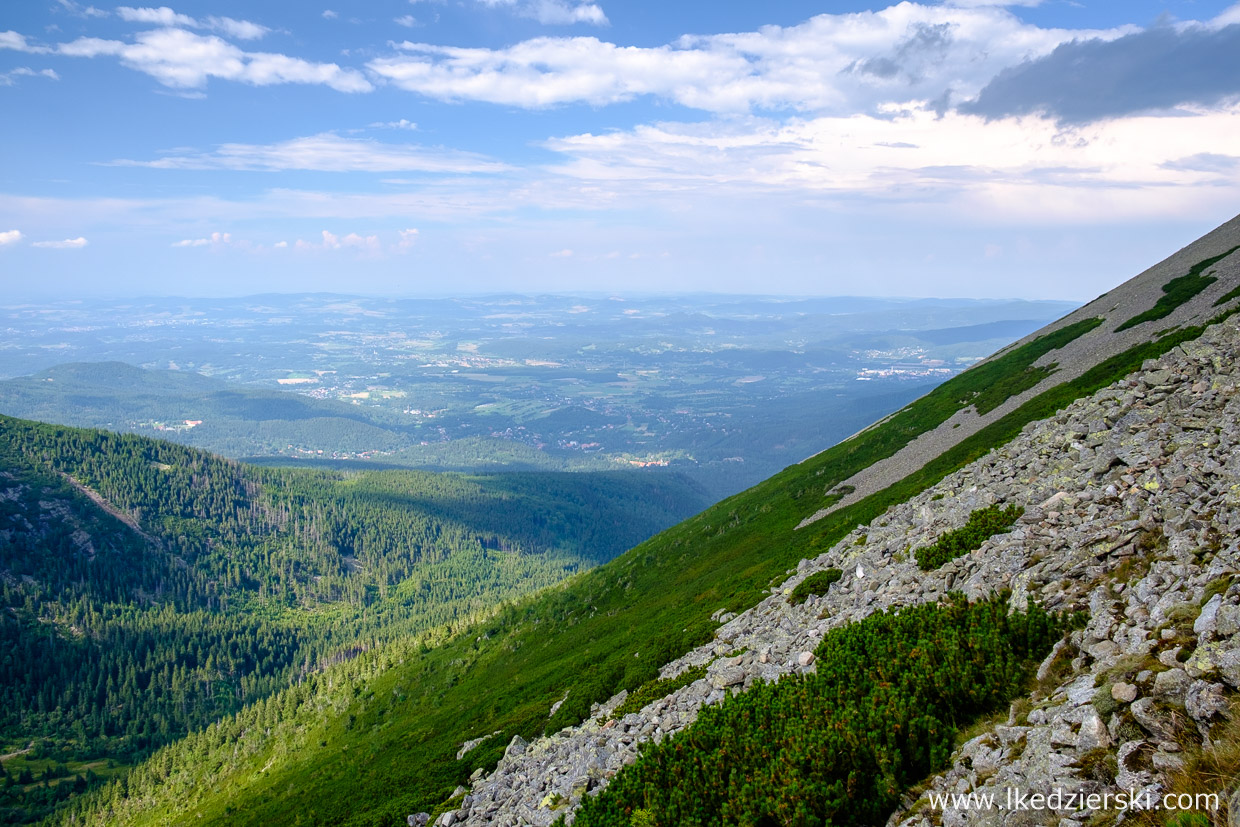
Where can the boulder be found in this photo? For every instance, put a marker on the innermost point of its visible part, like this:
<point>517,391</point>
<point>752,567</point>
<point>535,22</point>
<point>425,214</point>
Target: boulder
<point>1204,700</point>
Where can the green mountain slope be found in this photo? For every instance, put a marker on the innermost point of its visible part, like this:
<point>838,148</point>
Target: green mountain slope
<point>371,741</point>
<point>149,589</point>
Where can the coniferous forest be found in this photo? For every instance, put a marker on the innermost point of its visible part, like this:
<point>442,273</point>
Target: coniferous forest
<point>150,589</point>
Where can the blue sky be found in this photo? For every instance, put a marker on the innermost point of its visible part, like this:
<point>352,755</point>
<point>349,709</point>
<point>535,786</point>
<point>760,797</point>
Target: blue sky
<point>1035,149</point>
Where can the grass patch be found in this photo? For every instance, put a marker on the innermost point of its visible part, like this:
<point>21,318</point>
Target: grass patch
<point>1218,585</point>
<point>652,691</point>
<point>816,584</point>
<point>1179,290</point>
<point>1208,771</point>
<point>1013,373</point>
<point>983,524</point>
<point>1228,296</point>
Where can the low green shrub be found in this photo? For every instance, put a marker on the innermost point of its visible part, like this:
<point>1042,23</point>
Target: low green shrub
<point>816,584</point>
<point>1179,290</point>
<point>982,525</point>
<point>841,745</point>
<point>659,688</point>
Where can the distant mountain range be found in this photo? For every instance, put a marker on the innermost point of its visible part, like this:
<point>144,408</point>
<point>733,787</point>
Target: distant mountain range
<point>728,389</point>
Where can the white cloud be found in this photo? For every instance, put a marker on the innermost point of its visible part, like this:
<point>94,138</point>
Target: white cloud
<point>407,239</point>
<point>1227,17</point>
<point>162,16</point>
<point>973,4</point>
<point>1028,169</point>
<point>401,124</point>
<point>367,245</point>
<point>8,78</point>
<point>13,236</point>
<point>88,11</point>
<point>565,253</point>
<point>328,14</point>
<point>328,153</point>
<point>184,60</point>
<point>553,12</point>
<point>17,42</point>
<point>408,21</point>
<point>215,239</point>
<point>830,63</point>
<point>67,244</point>
<point>240,29</point>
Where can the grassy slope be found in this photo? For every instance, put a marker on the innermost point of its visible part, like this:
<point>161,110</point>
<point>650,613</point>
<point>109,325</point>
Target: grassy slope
<point>606,629</point>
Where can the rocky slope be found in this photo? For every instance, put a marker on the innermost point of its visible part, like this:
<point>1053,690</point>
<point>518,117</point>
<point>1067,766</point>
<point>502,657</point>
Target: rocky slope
<point>1132,508</point>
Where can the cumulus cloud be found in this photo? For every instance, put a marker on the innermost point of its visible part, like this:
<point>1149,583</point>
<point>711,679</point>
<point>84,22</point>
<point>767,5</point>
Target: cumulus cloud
<point>67,244</point>
<point>831,62</point>
<point>328,153</point>
<point>408,21</point>
<point>19,43</point>
<point>162,16</point>
<point>1086,80</point>
<point>184,60</point>
<point>10,237</point>
<point>368,244</point>
<point>215,239</point>
<point>407,239</point>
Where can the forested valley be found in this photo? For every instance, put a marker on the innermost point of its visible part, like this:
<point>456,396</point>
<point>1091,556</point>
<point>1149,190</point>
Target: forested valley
<point>150,589</point>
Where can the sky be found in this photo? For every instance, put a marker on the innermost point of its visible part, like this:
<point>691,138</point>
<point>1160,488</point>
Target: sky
<point>1033,149</point>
